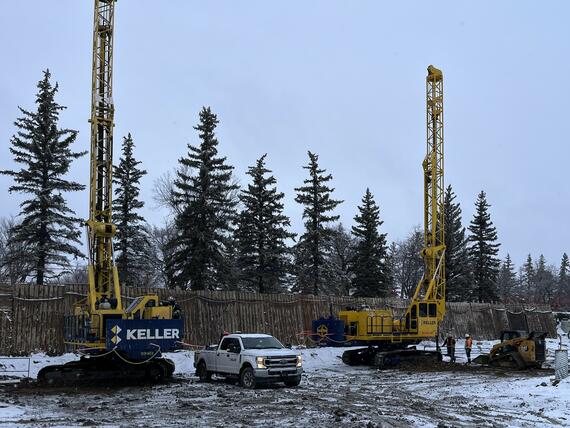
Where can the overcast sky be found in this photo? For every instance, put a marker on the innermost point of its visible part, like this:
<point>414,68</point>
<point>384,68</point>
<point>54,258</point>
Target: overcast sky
<point>343,79</point>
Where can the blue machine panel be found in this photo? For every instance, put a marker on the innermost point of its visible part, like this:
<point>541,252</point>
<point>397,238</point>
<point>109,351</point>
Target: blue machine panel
<point>329,332</point>
<point>141,339</point>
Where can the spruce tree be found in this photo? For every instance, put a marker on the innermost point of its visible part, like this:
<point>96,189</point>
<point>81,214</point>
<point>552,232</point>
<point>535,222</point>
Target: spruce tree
<point>48,227</point>
<point>371,252</point>
<point>544,283</point>
<point>563,288</point>
<point>262,233</point>
<point>527,278</point>
<point>483,252</point>
<point>132,240</point>
<point>507,280</point>
<point>205,194</point>
<point>318,204</point>
<point>457,281</point>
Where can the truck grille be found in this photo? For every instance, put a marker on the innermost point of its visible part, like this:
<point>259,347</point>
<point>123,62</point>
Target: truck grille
<point>280,362</point>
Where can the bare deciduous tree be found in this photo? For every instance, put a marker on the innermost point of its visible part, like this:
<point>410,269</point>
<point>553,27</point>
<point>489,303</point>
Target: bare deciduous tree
<point>407,264</point>
<point>16,264</point>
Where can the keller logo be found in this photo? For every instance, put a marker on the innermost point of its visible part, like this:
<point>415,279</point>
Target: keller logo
<point>322,330</point>
<point>116,330</point>
<point>147,333</point>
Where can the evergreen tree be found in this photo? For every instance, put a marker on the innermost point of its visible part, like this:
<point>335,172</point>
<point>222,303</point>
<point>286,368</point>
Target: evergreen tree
<point>527,278</point>
<point>49,228</point>
<point>544,282</point>
<point>483,252</point>
<point>131,237</point>
<point>229,274</point>
<point>507,280</point>
<point>457,281</point>
<point>371,251</point>
<point>262,233</point>
<point>316,198</point>
<point>563,289</point>
<point>205,222</point>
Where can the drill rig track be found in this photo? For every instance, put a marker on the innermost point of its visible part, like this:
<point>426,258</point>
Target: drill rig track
<point>111,368</point>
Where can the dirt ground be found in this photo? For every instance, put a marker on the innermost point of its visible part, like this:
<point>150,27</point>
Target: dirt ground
<point>333,396</point>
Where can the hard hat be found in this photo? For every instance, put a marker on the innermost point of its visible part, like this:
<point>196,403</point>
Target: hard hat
<point>467,335</point>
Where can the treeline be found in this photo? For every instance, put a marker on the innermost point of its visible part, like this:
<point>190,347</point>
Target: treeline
<point>221,236</point>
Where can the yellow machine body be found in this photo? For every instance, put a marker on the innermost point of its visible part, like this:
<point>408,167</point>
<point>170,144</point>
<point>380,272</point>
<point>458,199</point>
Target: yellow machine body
<point>382,325</point>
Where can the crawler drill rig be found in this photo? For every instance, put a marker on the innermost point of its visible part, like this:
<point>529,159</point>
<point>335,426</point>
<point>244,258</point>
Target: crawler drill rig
<point>116,342</point>
<point>389,337</point>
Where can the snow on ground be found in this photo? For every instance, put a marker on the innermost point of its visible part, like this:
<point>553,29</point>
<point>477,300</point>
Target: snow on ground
<point>331,394</point>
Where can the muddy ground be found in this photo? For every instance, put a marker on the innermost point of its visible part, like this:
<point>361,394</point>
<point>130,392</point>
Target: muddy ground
<point>331,396</point>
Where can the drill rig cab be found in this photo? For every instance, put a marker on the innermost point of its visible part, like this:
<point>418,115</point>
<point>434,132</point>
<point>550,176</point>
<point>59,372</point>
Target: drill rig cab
<point>116,342</point>
<point>388,334</point>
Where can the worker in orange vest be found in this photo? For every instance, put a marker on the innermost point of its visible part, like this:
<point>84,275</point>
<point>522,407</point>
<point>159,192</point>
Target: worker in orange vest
<point>468,346</point>
<point>450,344</point>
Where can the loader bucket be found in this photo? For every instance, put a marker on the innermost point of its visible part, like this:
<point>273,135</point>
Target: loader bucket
<point>482,359</point>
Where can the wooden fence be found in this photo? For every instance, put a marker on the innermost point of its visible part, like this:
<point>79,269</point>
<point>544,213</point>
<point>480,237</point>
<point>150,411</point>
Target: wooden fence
<point>31,317</point>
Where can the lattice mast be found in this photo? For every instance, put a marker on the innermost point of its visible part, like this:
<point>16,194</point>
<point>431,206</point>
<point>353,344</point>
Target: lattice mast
<point>102,272</point>
<point>433,253</point>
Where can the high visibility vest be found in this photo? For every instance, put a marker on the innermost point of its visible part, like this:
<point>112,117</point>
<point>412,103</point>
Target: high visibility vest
<point>468,343</point>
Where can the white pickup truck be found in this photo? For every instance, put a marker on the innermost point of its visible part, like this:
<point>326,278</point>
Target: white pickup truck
<point>252,358</point>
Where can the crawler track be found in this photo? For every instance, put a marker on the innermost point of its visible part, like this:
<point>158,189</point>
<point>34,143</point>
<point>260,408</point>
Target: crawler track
<point>108,369</point>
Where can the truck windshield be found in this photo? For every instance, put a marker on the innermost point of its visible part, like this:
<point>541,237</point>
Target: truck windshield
<point>261,343</point>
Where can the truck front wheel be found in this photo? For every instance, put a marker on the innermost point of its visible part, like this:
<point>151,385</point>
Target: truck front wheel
<point>203,373</point>
<point>247,378</point>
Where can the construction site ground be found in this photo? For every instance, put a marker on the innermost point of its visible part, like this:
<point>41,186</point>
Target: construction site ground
<point>331,394</point>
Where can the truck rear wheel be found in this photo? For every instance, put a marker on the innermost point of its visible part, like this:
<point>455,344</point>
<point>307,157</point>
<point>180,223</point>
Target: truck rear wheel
<point>203,373</point>
<point>247,378</point>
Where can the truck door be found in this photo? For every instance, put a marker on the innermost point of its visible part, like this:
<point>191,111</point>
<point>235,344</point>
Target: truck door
<point>227,357</point>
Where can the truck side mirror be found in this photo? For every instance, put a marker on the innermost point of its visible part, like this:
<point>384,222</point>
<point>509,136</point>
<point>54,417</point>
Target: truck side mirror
<point>288,346</point>
<point>235,349</point>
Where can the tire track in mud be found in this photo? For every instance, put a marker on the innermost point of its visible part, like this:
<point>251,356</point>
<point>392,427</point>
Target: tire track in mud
<point>341,396</point>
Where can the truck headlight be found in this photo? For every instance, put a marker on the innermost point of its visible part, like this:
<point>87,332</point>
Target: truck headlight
<point>299,361</point>
<point>260,362</point>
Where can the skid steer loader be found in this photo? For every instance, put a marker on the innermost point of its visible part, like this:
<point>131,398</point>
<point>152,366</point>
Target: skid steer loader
<point>517,350</point>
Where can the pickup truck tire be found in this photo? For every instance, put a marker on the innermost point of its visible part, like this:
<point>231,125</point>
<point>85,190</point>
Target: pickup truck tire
<point>203,373</point>
<point>293,382</point>
<point>247,378</point>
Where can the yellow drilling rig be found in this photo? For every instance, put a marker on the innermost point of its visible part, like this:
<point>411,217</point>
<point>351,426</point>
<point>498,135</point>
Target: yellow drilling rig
<point>388,336</point>
<point>116,342</point>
